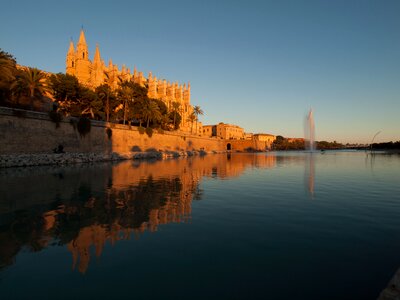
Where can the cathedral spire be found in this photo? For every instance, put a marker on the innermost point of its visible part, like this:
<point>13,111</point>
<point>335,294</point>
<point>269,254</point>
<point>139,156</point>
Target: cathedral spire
<point>71,50</point>
<point>82,39</point>
<point>81,48</point>
<point>70,59</point>
<point>97,58</point>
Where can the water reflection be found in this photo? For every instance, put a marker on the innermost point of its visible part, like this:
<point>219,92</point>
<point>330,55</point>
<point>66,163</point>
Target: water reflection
<point>85,207</point>
<point>309,176</point>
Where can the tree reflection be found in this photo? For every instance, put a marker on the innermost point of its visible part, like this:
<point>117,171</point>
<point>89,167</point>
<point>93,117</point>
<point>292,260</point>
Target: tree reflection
<point>88,206</point>
<point>87,219</point>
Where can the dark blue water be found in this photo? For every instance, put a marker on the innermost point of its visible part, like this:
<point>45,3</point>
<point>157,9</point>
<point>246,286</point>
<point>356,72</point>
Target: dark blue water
<point>242,226</point>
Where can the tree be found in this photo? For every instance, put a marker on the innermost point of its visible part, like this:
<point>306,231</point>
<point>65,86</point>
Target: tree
<point>32,81</point>
<point>279,139</point>
<point>90,104</point>
<point>163,120</point>
<point>105,92</point>
<point>282,143</point>
<point>176,118</point>
<point>7,66</point>
<point>150,111</point>
<point>126,95</point>
<point>197,111</point>
<point>66,91</point>
<point>129,93</point>
<point>8,70</point>
<point>74,98</point>
<point>111,77</point>
<point>175,111</point>
<point>137,111</point>
<point>192,118</point>
<point>64,87</point>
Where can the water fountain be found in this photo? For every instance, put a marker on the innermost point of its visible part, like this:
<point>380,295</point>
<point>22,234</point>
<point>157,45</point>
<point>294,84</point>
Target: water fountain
<point>309,132</point>
<point>309,140</point>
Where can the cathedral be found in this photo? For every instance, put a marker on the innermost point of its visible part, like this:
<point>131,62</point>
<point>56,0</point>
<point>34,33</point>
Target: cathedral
<point>94,73</point>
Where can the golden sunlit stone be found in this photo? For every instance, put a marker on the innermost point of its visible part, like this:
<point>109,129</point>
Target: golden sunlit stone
<point>94,73</point>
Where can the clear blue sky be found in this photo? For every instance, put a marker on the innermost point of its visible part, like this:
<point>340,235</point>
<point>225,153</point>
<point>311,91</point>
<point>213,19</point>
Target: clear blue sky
<point>258,64</point>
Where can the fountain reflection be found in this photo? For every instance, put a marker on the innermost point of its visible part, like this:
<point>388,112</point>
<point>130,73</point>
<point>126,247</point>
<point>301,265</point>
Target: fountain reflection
<point>309,173</point>
<point>85,207</point>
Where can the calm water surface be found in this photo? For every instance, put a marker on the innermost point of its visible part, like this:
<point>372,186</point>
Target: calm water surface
<point>242,226</point>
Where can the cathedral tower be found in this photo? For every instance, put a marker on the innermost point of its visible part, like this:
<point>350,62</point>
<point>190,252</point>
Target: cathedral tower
<point>94,73</point>
<point>97,71</point>
<point>82,62</point>
<point>70,61</point>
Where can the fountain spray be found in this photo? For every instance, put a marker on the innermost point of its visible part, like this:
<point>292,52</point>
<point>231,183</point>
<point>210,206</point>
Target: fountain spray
<point>309,131</point>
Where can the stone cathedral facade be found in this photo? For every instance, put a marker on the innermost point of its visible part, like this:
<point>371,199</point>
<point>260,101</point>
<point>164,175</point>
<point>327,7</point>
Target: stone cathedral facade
<point>94,73</point>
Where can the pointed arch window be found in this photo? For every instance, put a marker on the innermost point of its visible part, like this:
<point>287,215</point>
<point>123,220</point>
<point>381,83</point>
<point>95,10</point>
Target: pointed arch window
<point>83,55</point>
<point>72,64</point>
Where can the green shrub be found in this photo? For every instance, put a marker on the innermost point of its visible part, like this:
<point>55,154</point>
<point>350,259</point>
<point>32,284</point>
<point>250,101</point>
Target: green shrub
<point>56,117</point>
<point>160,131</point>
<point>141,130</point>
<point>83,126</point>
<point>149,131</point>
<point>109,133</point>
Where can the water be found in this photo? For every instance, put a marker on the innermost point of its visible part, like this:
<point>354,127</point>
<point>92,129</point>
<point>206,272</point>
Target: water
<point>242,226</point>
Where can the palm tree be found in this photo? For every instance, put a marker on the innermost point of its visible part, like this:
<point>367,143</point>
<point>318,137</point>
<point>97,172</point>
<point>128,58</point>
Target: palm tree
<point>104,91</point>
<point>7,75</point>
<point>33,82</point>
<point>126,94</point>
<point>155,111</point>
<point>7,68</point>
<point>150,111</point>
<point>192,117</point>
<point>197,111</point>
<point>109,78</point>
<point>175,109</point>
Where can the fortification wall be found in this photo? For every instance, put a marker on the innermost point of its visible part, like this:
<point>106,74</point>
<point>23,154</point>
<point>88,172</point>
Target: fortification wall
<point>33,132</point>
<point>248,145</point>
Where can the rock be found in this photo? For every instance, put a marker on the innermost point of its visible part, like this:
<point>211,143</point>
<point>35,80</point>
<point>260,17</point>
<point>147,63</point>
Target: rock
<point>24,160</point>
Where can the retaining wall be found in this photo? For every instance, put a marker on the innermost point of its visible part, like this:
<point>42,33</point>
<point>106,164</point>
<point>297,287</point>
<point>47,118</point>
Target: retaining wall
<point>33,132</point>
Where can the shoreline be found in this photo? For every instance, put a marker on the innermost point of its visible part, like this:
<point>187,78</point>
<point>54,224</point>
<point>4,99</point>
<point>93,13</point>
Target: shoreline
<point>61,159</point>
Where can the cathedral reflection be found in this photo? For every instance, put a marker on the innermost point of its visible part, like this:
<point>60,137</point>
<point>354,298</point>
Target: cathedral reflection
<point>85,207</point>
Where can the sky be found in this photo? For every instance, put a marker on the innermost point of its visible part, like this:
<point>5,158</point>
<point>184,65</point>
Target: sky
<point>257,64</point>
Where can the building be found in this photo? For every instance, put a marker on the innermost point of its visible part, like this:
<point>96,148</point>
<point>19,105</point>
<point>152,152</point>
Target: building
<point>264,137</point>
<point>198,128</point>
<point>248,136</point>
<point>224,131</point>
<point>94,73</point>
<point>230,131</point>
<point>294,140</point>
<point>208,130</point>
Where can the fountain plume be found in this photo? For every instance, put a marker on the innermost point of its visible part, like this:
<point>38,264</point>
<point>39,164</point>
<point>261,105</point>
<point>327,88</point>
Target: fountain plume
<point>309,131</point>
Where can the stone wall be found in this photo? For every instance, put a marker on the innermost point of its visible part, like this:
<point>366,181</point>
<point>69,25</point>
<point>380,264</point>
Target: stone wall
<point>248,145</point>
<point>32,132</point>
